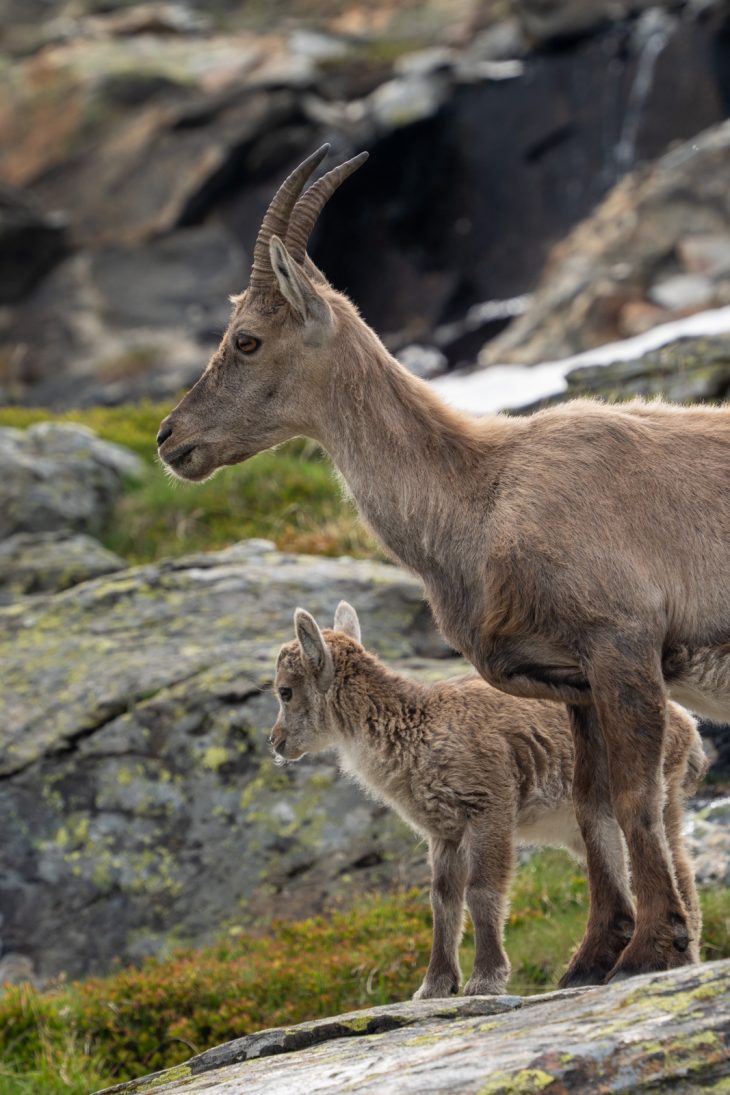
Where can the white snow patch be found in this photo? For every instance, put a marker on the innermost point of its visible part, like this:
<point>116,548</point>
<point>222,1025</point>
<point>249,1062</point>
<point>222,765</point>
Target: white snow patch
<point>502,387</point>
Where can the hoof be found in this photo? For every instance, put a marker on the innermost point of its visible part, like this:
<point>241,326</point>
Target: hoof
<point>486,986</point>
<point>437,989</point>
<point>579,978</point>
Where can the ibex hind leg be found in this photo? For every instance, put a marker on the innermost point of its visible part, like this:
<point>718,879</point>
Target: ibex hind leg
<point>611,911</point>
<point>630,700</point>
<point>700,680</point>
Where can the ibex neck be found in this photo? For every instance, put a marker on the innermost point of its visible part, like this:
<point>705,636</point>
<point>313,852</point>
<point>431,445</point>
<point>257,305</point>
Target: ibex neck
<point>383,713</point>
<point>409,461</point>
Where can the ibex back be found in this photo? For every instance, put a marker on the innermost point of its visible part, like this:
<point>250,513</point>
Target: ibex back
<point>581,554</point>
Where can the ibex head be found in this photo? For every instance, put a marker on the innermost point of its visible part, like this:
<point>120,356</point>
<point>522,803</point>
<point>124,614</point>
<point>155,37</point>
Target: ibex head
<point>305,671</point>
<point>260,381</point>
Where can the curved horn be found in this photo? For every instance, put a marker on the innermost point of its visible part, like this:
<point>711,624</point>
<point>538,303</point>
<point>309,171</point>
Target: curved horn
<point>276,220</point>
<point>311,204</point>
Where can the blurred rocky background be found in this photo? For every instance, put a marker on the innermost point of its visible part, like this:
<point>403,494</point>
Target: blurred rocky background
<point>545,213</point>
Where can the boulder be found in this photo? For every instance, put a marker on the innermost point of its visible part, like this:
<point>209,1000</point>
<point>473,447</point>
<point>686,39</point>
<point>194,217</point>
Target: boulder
<point>633,253</point>
<point>139,800</point>
<point>658,1032</point>
<point>47,562</point>
<point>58,476</point>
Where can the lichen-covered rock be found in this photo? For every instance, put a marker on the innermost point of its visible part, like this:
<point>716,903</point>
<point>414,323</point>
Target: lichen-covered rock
<point>46,562</point>
<point>688,370</point>
<point>58,476</point>
<point>139,803</point>
<point>657,1033</point>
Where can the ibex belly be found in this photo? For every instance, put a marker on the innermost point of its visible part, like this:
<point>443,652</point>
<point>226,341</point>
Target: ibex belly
<point>700,681</point>
<point>550,826</point>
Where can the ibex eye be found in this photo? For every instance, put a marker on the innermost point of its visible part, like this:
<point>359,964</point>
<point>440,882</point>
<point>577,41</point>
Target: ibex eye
<point>247,343</point>
<point>285,694</point>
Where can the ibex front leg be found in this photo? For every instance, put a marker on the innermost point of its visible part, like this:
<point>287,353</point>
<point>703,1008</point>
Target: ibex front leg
<point>631,704</point>
<point>490,854</point>
<point>448,880</point>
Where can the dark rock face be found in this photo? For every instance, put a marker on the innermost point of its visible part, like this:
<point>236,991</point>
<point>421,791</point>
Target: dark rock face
<point>138,798</point>
<point>659,1032</point>
<point>31,243</point>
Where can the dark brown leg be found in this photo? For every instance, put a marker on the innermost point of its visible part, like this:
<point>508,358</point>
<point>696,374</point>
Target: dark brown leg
<point>448,879</point>
<point>628,692</point>
<point>611,912</point>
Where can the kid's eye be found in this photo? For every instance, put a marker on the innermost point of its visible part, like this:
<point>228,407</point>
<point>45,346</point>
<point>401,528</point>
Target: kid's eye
<point>285,694</point>
<point>247,344</point>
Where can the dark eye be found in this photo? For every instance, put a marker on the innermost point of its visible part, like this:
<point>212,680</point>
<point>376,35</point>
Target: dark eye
<point>247,344</point>
<point>285,694</point>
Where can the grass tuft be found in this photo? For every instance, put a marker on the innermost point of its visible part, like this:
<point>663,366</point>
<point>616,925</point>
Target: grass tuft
<point>290,495</point>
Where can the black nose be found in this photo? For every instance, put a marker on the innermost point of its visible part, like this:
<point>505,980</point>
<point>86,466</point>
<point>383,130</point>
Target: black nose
<point>165,432</point>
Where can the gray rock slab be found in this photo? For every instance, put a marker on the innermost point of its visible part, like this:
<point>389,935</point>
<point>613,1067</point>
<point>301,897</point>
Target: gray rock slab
<point>139,801</point>
<point>659,1032</point>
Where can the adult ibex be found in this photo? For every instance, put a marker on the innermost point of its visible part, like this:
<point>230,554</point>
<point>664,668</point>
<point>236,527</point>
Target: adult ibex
<point>469,767</point>
<point>581,554</point>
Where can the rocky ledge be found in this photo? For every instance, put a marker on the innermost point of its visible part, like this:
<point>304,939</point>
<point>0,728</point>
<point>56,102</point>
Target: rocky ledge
<point>659,1033</point>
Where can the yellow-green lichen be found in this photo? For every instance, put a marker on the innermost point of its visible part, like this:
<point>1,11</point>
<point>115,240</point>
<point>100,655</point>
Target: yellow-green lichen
<point>170,1075</point>
<point>214,757</point>
<point>524,1082</point>
<point>358,1024</point>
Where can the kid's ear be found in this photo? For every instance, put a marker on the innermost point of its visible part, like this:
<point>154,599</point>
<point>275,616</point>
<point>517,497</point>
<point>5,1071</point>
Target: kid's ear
<point>346,621</point>
<point>315,652</point>
<point>300,292</point>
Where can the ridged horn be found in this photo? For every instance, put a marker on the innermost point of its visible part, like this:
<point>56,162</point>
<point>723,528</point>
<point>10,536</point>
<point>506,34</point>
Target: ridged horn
<point>311,204</point>
<point>276,220</point>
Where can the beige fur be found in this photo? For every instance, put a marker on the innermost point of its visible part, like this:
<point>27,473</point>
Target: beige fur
<point>470,768</point>
<point>581,554</point>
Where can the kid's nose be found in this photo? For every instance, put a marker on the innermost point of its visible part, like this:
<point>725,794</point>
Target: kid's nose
<point>277,740</point>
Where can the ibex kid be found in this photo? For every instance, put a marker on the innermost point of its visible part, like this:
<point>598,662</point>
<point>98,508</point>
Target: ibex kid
<point>467,766</point>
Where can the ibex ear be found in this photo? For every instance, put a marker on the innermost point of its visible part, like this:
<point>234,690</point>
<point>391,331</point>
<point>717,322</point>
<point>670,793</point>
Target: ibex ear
<point>346,621</point>
<point>315,652</point>
<point>297,289</point>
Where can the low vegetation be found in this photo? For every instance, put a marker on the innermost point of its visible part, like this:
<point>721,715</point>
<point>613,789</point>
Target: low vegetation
<point>80,1037</point>
<point>290,496</point>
